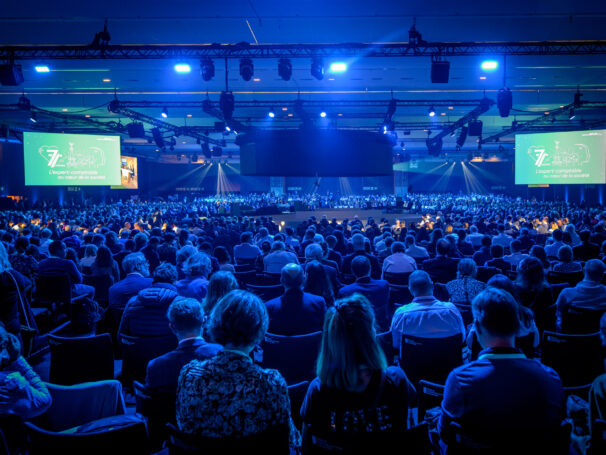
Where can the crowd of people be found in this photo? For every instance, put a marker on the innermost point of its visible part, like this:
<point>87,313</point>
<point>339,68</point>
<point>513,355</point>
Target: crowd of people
<point>476,267</point>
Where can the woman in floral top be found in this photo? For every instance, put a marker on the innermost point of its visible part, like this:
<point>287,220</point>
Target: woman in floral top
<point>228,395</point>
<point>465,287</point>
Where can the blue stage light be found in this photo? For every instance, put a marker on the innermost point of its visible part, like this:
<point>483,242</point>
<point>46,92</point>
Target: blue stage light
<point>338,67</point>
<point>323,114</point>
<point>165,113</point>
<point>42,69</point>
<point>182,68</point>
<point>490,65</point>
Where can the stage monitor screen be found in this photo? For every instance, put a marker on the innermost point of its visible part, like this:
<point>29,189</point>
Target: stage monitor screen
<point>561,158</point>
<point>52,159</point>
<point>129,174</point>
<point>310,152</point>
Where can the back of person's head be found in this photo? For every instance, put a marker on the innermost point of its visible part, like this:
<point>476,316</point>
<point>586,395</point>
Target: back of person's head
<point>57,249</point>
<point>558,235</point>
<point>531,275</point>
<point>501,281</point>
<point>45,233</point>
<point>442,247</point>
<point>184,253</point>
<point>467,268</point>
<point>238,320</point>
<point>524,232</point>
<point>197,265</point>
<point>565,253</point>
<point>263,232</point>
<point>265,247</point>
<point>278,246</point>
<point>129,245</point>
<point>185,317</point>
<point>98,239</point>
<point>486,241</point>
<point>409,240</point>
<point>220,284</point>
<point>205,247</point>
<point>594,270</point>
<point>584,235</point>
<point>496,251</point>
<point>222,255</point>
<point>313,251</point>
<point>90,251</point>
<point>501,228</point>
<point>331,240</point>
<point>420,284</point>
<point>316,280</point>
<point>397,247</point>
<point>461,234</point>
<point>516,246</point>
<point>5,264</point>
<point>246,237</point>
<point>357,241</point>
<point>135,263</point>
<point>360,266</point>
<point>496,312</point>
<point>104,257</point>
<point>292,276</point>
<point>538,252</point>
<point>21,244</point>
<point>473,229</point>
<point>349,345</point>
<point>165,273</point>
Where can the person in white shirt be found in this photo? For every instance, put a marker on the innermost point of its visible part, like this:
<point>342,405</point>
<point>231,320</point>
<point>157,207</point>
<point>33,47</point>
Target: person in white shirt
<point>413,250</point>
<point>516,256</point>
<point>552,250</point>
<point>278,258</point>
<point>474,237</point>
<point>399,261</point>
<point>502,239</point>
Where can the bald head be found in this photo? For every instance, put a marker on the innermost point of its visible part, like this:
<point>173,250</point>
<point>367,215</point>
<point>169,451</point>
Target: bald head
<point>594,270</point>
<point>292,276</point>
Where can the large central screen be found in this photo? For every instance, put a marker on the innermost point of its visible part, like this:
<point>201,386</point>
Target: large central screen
<point>566,157</point>
<point>71,159</point>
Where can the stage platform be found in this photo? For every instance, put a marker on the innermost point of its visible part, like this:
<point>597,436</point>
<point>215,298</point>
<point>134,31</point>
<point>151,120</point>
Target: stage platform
<point>292,219</point>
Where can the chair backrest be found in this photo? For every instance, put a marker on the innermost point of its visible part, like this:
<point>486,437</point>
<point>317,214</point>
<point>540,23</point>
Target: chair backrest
<point>101,283</point>
<point>430,395</point>
<point>572,278</point>
<point>81,359</point>
<point>266,293</point>
<point>53,288</point>
<point>397,278</point>
<point>244,267</point>
<point>399,295</point>
<point>385,340</point>
<point>268,278</point>
<point>466,313</point>
<point>293,356</point>
<point>131,439</point>
<point>430,358</point>
<point>296,393</point>
<point>581,320</point>
<point>138,351</point>
<point>598,438</point>
<point>485,273</point>
<point>576,358</point>
<point>158,408</point>
<point>274,440</point>
<point>245,277</point>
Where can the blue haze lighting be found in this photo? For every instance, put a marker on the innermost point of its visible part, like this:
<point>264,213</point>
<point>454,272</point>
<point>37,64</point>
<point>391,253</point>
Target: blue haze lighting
<point>490,65</point>
<point>182,68</point>
<point>338,67</point>
<point>42,69</point>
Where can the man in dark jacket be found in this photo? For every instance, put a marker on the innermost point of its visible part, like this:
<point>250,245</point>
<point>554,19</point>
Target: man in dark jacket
<point>442,268</point>
<point>358,241</point>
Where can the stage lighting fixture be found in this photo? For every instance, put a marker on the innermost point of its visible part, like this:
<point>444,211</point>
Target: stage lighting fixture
<point>135,130</point>
<point>158,139</point>
<point>271,113</point>
<point>504,101</point>
<point>489,65</point>
<point>338,67</point>
<point>33,117</point>
<point>317,68</point>
<point>475,128</point>
<point>247,69</point>
<point>434,147</point>
<point>206,150</point>
<point>227,104</point>
<point>431,112</point>
<point>182,68</point>
<point>165,113</point>
<point>42,69</point>
<point>217,151</point>
<point>571,114</point>
<point>323,114</point>
<point>285,69</point>
<point>11,74</point>
<point>440,72</point>
<point>462,136</point>
<point>207,69</point>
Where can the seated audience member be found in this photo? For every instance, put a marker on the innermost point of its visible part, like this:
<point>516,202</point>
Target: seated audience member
<point>129,247</point>
<point>295,312</point>
<point>585,250</point>
<point>290,239</point>
<point>376,291</point>
<point>399,261</point>
<point>359,249</point>
<point>224,259</point>
<point>150,251</point>
<point>58,264</point>
<point>353,379</point>
<point>435,236</point>
<point>483,254</point>
<point>220,284</point>
<point>185,319</point>
<point>516,255</point>
<point>413,250</point>
<point>425,316</point>
<point>502,238</point>
<point>442,268</point>
<point>538,252</point>
<point>228,395</point>
<point>526,241</point>
<point>332,254</point>
<point>314,252</point>
<point>552,250</point>
<point>12,284</point>
<point>597,393</point>
<point>278,258</point>
<point>145,314</point>
<point>90,255</point>
<point>22,262</point>
<point>502,400</point>
<point>111,241</point>
<point>453,251</point>
<point>136,269</point>
<point>535,293</point>
<point>474,237</point>
<point>572,231</point>
<point>463,245</point>
<point>589,293</point>
<point>264,236</point>
<point>318,283</point>
<point>497,261</point>
<point>104,264</point>
<point>465,287</point>
<point>22,392</point>
<point>183,254</point>
<point>207,248</point>
<point>196,269</point>
<point>565,263</point>
<point>167,251</point>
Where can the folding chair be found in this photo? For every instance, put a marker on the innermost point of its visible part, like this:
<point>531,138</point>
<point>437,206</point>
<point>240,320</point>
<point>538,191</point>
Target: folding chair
<point>80,359</point>
<point>430,358</point>
<point>293,356</point>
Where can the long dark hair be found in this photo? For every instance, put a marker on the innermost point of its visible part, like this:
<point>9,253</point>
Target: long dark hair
<point>104,257</point>
<point>317,282</point>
